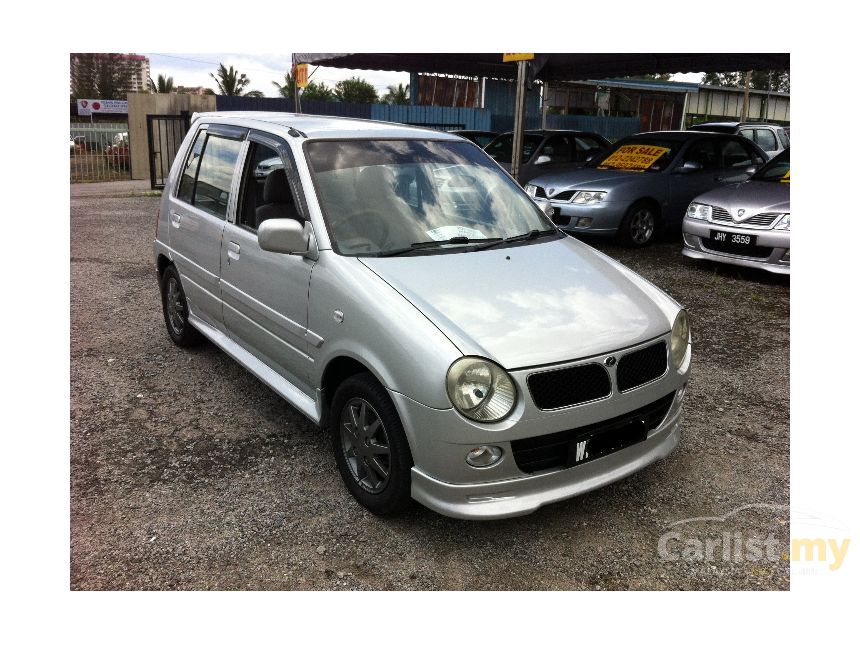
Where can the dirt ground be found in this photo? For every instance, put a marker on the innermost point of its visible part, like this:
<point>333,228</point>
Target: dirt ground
<point>188,473</point>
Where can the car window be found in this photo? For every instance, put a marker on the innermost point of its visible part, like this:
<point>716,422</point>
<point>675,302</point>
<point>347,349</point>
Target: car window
<point>217,164</point>
<point>736,155</point>
<point>765,139</point>
<point>585,146</point>
<point>783,138</point>
<point>501,149</point>
<point>748,134</point>
<point>777,169</point>
<point>189,172</point>
<point>558,148</point>
<point>703,152</point>
<point>266,192</point>
<point>483,139</point>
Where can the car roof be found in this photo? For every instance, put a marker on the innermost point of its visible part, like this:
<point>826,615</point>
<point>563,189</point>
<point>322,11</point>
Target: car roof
<point>679,135</point>
<point>736,124</point>
<point>548,131</point>
<point>313,126</point>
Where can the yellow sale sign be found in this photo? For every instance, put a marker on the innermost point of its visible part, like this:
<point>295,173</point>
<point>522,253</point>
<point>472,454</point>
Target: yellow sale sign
<point>637,158</point>
<point>302,75</point>
<point>510,58</point>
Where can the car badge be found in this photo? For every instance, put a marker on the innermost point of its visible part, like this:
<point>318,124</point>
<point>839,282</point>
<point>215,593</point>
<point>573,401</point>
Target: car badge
<point>550,191</point>
<point>609,361</point>
<point>740,214</point>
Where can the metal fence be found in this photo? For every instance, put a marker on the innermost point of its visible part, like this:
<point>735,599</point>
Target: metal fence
<point>99,152</point>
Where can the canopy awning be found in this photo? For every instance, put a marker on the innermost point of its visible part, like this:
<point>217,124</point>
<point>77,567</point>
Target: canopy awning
<point>551,67</point>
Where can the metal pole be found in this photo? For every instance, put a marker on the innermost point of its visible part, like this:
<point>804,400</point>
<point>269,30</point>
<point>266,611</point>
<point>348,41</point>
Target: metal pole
<point>746,107</point>
<point>519,118</point>
<point>544,97</point>
<point>684,111</point>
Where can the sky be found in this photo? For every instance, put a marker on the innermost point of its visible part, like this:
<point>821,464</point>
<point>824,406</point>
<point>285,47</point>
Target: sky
<point>193,70</point>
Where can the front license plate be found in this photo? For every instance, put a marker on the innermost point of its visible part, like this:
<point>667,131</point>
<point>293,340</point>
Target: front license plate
<point>733,240</point>
<point>599,444</point>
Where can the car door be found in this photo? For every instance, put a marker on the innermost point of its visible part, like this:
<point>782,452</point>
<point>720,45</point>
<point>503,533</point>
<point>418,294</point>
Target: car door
<point>684,185</point>
<point>738,157</point>
<point>265,294</point>
<point>197,213</point>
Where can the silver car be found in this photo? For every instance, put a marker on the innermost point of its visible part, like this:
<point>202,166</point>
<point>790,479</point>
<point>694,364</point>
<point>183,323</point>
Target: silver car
<point>771,138</point>
<point>747,224</point>
<point>401,291</point>
<point>643,184</point>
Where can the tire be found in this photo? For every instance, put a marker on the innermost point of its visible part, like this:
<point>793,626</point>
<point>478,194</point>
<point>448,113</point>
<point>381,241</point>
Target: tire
<point>639,226</point>
<point>175,309</point>
<point>363,458</point>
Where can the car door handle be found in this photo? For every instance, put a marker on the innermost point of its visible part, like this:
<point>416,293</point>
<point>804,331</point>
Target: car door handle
<point>175,218</point>
<point>233,250</point>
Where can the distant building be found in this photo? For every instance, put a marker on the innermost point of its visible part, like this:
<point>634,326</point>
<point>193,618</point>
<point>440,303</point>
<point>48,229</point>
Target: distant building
<point>139,66</point>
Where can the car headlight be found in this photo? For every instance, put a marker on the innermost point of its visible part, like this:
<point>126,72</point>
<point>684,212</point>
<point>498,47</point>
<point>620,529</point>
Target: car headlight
<point>531,190</point>
<point>589,197</point>
<point>784,224</point>
<point>680,339</point>
<point>699,211</point>
<point>480,389</point>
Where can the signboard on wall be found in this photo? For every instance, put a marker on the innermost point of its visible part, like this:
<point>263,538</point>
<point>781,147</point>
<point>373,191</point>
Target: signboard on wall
<point>87,107</point>
<point>510,58</point>
<point>302,76</point>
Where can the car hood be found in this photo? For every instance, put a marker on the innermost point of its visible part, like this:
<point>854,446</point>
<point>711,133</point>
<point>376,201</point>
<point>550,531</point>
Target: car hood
<point>587,179</point>
<point>532,304</point>
<point>753,196</point>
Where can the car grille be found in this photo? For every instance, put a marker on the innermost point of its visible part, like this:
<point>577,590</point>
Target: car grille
<point>640,367</point>
<point>748,252</point>
<point>569,386</point>
<point>540,192</point>
<point>553,451</point>
<point>762,220</point>
<point>564,196</point>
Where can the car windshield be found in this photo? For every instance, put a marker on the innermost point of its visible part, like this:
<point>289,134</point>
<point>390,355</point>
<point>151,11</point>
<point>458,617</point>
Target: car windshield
<point>637,154</point>
<point>387,196</point>
<point>777,169</point>
<point>502,148</point>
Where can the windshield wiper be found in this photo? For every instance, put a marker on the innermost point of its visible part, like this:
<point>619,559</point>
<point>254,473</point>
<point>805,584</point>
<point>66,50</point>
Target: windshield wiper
<point>417,246</point>
<point>532,234</point>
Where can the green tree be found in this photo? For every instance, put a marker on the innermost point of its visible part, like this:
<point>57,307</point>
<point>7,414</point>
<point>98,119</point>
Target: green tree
<point>101,76</point>
<point>723,79</point>
<point>773,80</point>
<point>355,90</point>
<point>317,92</point>
<point>164,85</point>
<point>229,81</point>
<point>397,95</point>
<point>288,89</point>
<point>653,77</point>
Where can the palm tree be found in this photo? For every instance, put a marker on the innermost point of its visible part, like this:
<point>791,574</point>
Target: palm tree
<point>229,81</point>
<point>397,95</point>
<point>287,90</point>
<point>163,86</point>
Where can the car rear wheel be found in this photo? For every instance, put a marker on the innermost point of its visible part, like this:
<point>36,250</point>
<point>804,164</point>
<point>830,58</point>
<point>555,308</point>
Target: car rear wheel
<point>370,447</point>
<point>639,226</point>
<point>175,309</point>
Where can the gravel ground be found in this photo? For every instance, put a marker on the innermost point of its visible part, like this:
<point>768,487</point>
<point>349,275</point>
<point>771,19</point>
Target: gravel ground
<point>187,473</point>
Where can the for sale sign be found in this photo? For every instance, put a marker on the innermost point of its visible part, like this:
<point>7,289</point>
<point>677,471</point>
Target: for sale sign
<point>302,75</point>
<point>637,158</point>
<point>86,107</point>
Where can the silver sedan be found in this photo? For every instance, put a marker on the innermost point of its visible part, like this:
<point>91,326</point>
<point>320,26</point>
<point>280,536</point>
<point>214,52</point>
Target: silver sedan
<point>747,224</point>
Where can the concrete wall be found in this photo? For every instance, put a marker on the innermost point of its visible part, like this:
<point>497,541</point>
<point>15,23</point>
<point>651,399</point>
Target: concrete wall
<point>139,105</point>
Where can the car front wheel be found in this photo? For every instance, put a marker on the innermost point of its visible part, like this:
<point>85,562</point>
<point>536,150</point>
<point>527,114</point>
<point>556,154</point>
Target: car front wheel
<point>639,225</point>
<point>370,447</point>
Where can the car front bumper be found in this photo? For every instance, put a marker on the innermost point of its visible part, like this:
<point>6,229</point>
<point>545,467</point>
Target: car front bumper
<point>440,439</point>
<point>605,217</point>
<point>696,233</point>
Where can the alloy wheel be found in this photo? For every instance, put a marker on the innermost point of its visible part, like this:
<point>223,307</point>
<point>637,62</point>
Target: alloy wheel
<point>175,307</point>
<point>642,226</point>
<point>365,445</point>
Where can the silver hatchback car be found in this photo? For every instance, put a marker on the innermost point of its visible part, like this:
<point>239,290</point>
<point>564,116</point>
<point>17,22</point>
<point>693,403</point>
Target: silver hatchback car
<point>399,289</point>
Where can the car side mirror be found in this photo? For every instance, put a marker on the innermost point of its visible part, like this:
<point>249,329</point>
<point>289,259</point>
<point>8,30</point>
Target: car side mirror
<point>589,158</point>
<point>542,159</point>
<point>753,169</point>
<point>283,236</point>
<point>689,167</point>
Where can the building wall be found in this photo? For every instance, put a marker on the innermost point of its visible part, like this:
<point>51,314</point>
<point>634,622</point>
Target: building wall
<point>139,105</point>
<point>711,103</point>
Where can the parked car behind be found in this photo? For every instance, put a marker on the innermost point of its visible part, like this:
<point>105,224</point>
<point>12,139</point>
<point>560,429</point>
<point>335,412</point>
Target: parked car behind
<point>117,152</point>
<point>770,137</point>
<point>478,137</point>
<point>546,151</point>
<point>456,346</point>
<point>747,224</point>
<point>643,184</point>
